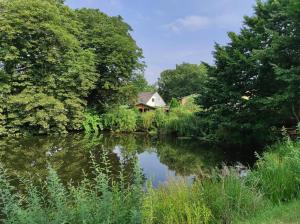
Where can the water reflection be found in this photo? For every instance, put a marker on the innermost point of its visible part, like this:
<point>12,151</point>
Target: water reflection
<point>71,156</point>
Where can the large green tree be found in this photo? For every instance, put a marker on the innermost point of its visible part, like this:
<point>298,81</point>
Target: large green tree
<point>56,61</point>
<point>184,80</point>
<point>118,58</point>
<point>45,75</point>
<point>254,87</point>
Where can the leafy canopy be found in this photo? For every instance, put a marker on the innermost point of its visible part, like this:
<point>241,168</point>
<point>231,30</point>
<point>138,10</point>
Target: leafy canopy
<point>254,87</point>
<point>55,61</point>
<point>184,80</point>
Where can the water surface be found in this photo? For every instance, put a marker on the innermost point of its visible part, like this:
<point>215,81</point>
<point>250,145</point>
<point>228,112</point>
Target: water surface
<point>70,155</point>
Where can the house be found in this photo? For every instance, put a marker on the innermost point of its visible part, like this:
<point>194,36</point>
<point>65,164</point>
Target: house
<point>149,101</point>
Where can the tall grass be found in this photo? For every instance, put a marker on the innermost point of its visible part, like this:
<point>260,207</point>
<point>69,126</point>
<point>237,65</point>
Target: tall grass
<point>229,197</point>
<point>101,200</point>
<point>175,203</point>
<point>277,172</point>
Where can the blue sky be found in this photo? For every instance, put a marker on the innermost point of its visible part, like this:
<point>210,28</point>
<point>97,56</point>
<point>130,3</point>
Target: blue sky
<point>174,31</point>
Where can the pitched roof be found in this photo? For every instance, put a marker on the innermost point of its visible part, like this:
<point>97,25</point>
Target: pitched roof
<point>144,97</point>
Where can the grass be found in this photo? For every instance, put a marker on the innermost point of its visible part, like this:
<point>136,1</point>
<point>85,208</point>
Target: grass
<point>175,203</point>
<point>277,172</point>
<point>228,197</point>
<point>282,214</point>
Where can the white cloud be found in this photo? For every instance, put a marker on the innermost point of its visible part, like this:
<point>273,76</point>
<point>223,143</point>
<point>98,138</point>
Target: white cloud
<point>194,22</point>
<point>189,23</point>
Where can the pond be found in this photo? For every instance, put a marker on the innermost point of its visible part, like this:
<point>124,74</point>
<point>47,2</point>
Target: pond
<point>70,155</point>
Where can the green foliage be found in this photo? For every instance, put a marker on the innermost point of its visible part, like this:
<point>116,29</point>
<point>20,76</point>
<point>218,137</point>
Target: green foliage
<point>117,57</point>
<point>177,202</point>
<point>277,172</point>
<point>36,111</point>
<point>253,88</point>
<point>120,119</point>
<point>45,74</point>
<point>101,200</point>
<point>160,119</point>
<point>54,61</point>
<point>285,213</point>
<point>182,122</point>
<point>92,123</point>
<point>229,197</point>
<point>141,84</point>
<point>185,80</point>
<point>174,103</point>
<point>147,120</point>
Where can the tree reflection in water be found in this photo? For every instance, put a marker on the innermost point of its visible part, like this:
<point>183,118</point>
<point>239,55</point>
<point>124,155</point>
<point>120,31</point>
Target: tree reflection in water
<point>70,155</point>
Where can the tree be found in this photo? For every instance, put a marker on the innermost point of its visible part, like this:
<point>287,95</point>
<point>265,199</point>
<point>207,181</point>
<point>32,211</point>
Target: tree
<point>253,89</point>
<point>142,85</point>
<point>45,74</point>
<point>185,80</point>
<point>118,58</point>
<point>55,62</point>
<point>127,94</point>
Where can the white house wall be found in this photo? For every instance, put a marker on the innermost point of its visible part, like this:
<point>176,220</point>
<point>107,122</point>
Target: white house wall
<point>158,101</point>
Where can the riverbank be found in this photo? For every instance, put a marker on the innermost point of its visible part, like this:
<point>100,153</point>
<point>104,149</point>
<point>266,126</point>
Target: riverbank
<point>222,197</point>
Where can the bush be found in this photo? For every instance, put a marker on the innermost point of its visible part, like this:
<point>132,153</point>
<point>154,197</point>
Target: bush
<point>153,120</point>
<point>182,122</point>
<point>92,123</point>
<point>229,197</point>
<point>160,119</point>
<point>174,103</point>
<point>175,203</point>
<point>120,119</point>
<point>147,121</point>
<point>277,172</point>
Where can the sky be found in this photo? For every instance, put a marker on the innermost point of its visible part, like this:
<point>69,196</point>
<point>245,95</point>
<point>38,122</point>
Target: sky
<point>171,32</point>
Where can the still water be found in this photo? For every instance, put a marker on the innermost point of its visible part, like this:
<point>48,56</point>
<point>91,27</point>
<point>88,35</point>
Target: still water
<point>159,159</point>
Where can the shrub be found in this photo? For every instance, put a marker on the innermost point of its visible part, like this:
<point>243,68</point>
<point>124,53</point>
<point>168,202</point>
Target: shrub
<point>92,123</point>
<point>182,122</point>
<point>120,119</point>
<point>147,121</point>
<point>175,203</point>
<point>174,103</point>
<point>160,118</point>
<point>229,197</point>
<point>277,172</point>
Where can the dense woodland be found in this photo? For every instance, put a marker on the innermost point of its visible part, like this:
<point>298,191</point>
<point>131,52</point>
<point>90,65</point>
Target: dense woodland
<point>67,70</point>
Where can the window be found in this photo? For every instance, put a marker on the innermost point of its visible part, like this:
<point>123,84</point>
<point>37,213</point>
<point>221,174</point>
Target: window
<point>153,99</point>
